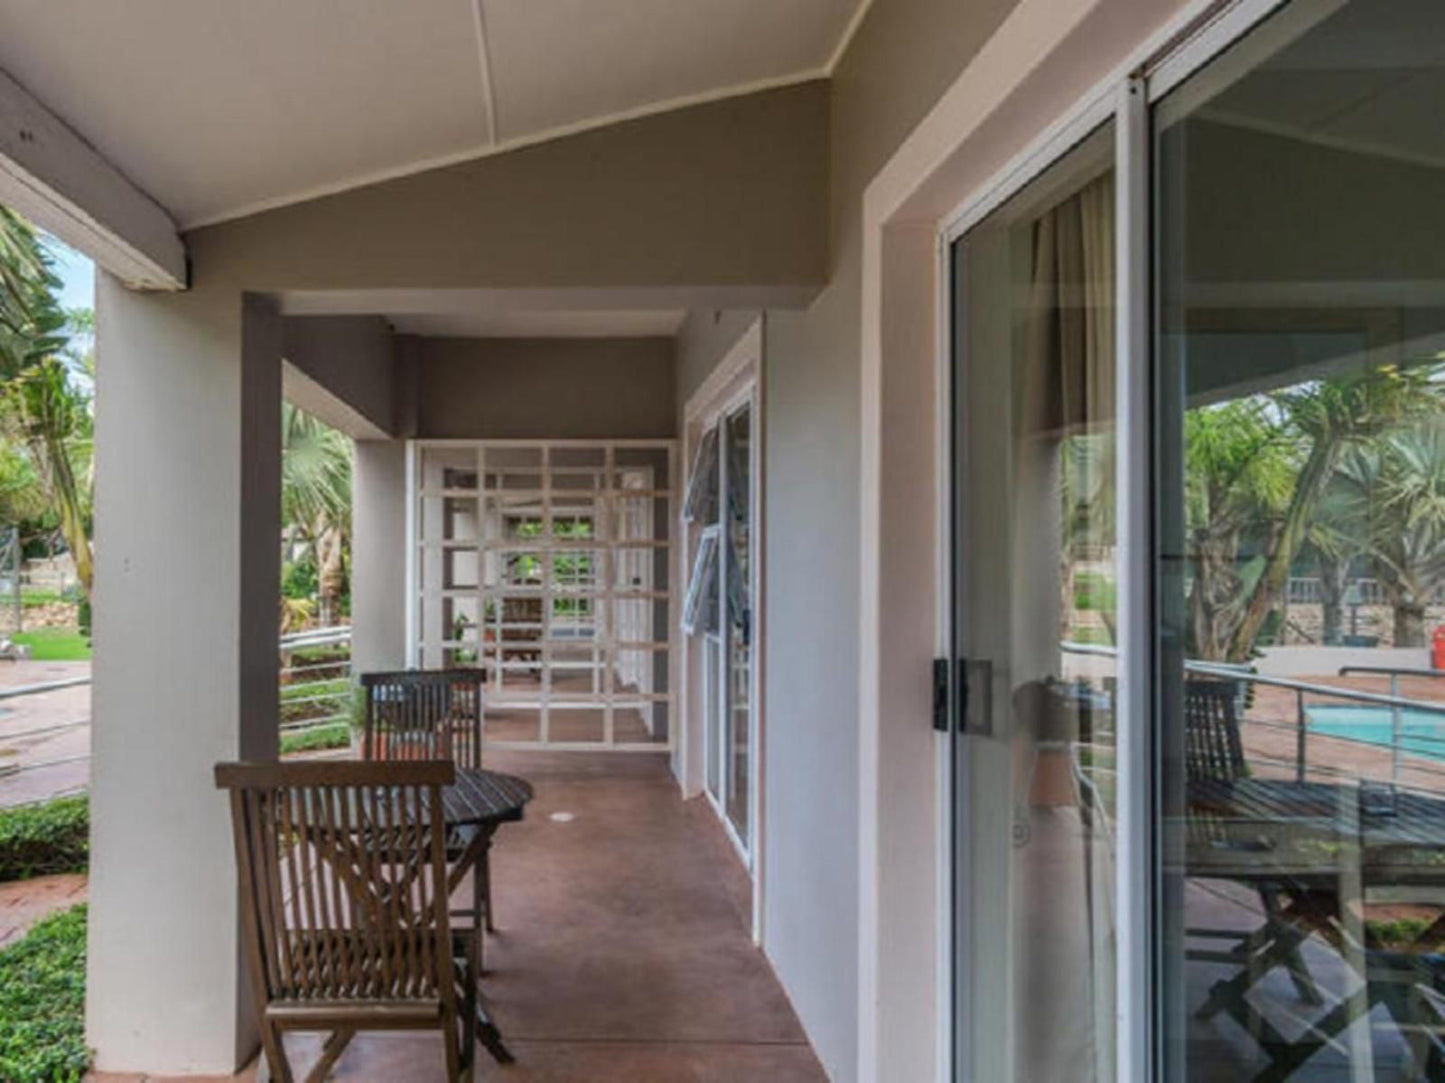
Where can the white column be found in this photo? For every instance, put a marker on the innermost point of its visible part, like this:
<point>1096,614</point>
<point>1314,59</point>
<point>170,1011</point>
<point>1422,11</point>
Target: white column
<point>187,546</point>
<point>378,555</point>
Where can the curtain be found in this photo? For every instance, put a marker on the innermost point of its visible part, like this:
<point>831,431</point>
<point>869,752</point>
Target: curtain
<point>1068,385</point>
<point>1063,486</point>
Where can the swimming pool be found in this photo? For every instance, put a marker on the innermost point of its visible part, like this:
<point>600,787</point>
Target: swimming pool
<point>1422,733</point>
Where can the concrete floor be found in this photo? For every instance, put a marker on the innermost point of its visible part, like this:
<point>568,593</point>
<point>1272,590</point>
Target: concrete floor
<point>622,950</point>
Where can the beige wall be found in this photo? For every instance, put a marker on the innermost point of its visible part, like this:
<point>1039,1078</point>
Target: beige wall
<point>353,358</point>
<point>903,57</point>
<point>720,194</point>
<point>561,388</point>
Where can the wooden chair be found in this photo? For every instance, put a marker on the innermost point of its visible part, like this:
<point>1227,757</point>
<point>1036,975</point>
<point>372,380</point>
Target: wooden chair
<point>424,714</point>
<point>1214,751</point>
<point>433,714</point>
<point>344,906</point>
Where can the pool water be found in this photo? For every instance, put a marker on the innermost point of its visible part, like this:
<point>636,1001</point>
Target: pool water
<point>1422,733</point>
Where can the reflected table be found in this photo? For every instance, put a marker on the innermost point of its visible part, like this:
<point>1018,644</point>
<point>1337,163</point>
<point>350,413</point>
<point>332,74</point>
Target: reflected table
<point>1321,846</point>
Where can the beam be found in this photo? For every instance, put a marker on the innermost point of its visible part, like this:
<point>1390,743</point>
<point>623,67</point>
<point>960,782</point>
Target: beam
<point>57,180</point>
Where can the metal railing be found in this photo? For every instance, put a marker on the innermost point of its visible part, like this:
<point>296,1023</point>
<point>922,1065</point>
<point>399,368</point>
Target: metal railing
<point>333,692</point>
<point>1424,762</point>
<point>328,695</point>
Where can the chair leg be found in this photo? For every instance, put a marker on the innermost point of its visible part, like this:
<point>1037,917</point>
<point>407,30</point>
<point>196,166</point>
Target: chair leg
<point>330,1053</point>
<point>450,1045</point>
<point>484,870</point>
<point>471,972</point>
<point>275,1053</point>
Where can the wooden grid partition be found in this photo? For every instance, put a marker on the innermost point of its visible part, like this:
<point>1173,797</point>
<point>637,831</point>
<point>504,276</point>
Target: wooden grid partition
<point>549,564</point>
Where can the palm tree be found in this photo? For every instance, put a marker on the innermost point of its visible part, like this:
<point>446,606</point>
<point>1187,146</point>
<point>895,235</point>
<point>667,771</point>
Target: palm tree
<point>1240,471</point>
<point>41,406</point>
<point>1388,497</point>
<point>1327,417</point>
<point>316,499</point>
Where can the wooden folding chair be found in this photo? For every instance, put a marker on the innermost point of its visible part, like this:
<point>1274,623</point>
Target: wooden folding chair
<point>433,714</point>
<point>344,906</point>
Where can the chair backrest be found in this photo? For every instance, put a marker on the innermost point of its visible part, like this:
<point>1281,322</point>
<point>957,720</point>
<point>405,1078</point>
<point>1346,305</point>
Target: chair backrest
<point>343,878</point>
<point>1212,746</point>
<point>424,714</point>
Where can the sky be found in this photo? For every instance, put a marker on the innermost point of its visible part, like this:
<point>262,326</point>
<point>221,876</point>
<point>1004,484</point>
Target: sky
<point>77,275</point>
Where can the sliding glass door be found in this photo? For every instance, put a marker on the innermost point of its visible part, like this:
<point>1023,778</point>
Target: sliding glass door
<point>1034,576</point>
<point>1300,433</point>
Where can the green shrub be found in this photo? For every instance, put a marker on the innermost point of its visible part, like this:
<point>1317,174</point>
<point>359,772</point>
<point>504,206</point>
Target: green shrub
<point>36,840</point>
<point>332,735</point>
<point>42,1002</point>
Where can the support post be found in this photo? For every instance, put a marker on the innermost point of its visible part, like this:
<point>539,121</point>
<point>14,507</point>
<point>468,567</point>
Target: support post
<point>187,545</point>
<point>378,561</point>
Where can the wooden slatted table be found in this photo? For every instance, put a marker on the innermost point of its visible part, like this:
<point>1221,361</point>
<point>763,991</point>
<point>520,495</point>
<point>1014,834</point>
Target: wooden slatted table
<point>478,803</point>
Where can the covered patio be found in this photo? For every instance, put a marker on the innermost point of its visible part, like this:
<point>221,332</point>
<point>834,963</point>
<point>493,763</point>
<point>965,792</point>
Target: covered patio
<point>622,950</point>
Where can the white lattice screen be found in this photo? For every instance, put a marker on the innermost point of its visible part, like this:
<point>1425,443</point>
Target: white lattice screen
<point>549,563</point>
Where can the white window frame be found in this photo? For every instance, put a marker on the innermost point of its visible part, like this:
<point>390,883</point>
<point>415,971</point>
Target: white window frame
<point>1201,33</point>
<point>736,382</point>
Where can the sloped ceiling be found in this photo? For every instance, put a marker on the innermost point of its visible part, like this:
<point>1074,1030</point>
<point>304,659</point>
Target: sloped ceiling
<point>218,108</point>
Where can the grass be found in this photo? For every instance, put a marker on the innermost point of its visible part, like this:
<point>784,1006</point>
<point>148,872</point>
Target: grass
<point>34,597</point>
<point>42,1002</point>
<point>56,644</point>
<point>1095,591</point>
<point>332,735</point>
<point>38,840</point>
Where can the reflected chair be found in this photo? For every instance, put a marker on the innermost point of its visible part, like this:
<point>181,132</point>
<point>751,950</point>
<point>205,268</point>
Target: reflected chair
<point>1214,752</point>
<point>343,879</point>
<point>433,714</point>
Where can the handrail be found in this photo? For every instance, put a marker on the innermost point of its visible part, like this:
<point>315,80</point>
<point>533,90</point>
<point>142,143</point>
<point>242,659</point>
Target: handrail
<point>1236,671</point>
<point>1403,671</point>
<point>1394,702</point>
<point>314,637</point>
<point>1210,669</point>
<point>43,686</point>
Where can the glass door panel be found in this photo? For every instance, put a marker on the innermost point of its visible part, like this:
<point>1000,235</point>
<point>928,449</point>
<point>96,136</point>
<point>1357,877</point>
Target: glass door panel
<point>1301,449</point>
<point>1034,575</point>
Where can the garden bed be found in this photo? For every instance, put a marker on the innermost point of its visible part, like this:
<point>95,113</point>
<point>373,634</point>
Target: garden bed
<point>42,1002</point>
<point>38,840</point>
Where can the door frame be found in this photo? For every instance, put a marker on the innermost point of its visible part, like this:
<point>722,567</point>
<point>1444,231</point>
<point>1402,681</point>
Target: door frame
<point>906,212</point>
<point>736,381</point>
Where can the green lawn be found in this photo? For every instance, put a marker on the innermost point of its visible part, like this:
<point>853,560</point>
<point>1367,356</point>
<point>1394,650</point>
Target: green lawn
<point>56,645</point>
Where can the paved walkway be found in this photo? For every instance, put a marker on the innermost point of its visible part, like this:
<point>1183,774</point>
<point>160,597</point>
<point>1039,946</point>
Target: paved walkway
<point>622,953</point>
<point>61,749</point>
<point>24,902</point>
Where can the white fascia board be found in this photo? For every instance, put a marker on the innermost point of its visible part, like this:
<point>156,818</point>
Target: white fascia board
<point>57,180</point>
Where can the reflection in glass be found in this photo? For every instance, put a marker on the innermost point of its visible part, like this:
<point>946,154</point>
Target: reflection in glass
<point>1034,620</point>
<point>738,734</point>
<point>1301,527</point>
